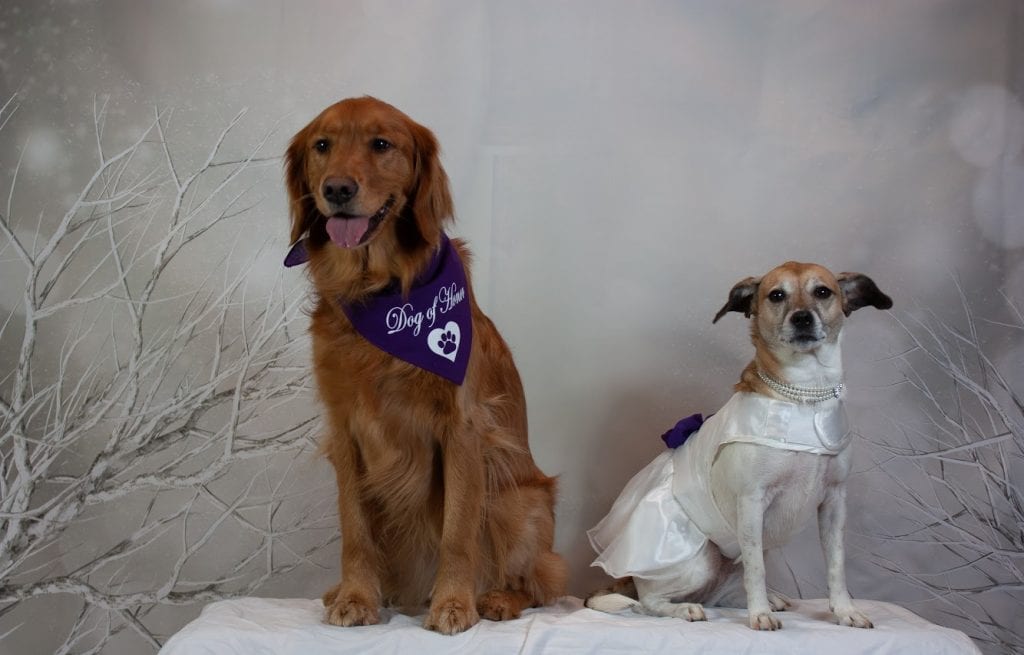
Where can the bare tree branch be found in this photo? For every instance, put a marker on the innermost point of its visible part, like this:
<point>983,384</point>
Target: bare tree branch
<point>126,388</point>
<point>953,478</point>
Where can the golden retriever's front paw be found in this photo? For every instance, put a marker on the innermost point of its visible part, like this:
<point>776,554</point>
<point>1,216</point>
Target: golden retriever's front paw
<point>349,609</point>
<point>451,616</point>
<point>330,595</point>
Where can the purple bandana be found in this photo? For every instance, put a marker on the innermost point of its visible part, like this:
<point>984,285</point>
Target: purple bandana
<point>432,327</point>
<point>297,254</point>
<point>682,430</point>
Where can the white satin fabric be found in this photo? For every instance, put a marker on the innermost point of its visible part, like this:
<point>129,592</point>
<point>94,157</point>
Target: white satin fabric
<point>666,513</point>
<point>295,626</point>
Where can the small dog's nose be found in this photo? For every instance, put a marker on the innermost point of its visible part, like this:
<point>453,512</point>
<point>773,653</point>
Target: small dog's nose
<point>339,190</point>
<point>802,319</point>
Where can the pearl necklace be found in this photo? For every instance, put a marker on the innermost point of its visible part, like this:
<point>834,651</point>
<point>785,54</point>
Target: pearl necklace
<point>802,394</point>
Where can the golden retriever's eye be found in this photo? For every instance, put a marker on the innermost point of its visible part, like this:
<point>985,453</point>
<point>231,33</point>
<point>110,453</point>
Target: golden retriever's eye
<point>822,292</point>
<point>321,145</point>
<point>776,295</point>
<point>380,145</point>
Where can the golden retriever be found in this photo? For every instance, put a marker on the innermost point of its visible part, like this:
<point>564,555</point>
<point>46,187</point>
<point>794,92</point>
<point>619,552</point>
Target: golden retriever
<point>439,498</point>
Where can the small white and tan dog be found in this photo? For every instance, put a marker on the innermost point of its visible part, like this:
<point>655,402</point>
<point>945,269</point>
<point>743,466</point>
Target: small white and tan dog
<point>687,525</point>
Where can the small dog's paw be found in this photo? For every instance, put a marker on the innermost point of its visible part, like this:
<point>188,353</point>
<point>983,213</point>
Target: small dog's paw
<point>690,612</point>
<point>499,606</point>
<point>778,602</point>
<point>451,616</point>
<point>853,618</point>
<point>349,609</point>
<point>764,621</point>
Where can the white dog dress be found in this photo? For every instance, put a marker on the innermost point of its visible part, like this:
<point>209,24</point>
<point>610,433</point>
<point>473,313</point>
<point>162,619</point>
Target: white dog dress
<point>666,513</point>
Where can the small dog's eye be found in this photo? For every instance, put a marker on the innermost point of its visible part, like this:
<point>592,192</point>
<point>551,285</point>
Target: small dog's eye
<point>822,292</point>
<point>776,295</point>
<point>380,145</point>
<point>321,145</point>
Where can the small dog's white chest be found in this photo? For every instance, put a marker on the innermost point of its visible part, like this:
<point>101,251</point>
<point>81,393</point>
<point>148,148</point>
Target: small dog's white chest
<point>770,428</point>
<point>668,511</point>
<point>792,485</point>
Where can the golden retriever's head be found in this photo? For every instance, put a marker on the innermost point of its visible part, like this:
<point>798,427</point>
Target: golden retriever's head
<point>366,185</point>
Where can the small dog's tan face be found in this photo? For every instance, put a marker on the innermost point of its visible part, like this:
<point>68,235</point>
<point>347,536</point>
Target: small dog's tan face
<point>802,306</point>
<point>799,306</point>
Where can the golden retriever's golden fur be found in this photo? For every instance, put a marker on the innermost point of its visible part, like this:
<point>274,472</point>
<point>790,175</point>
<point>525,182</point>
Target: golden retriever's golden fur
<point>439,498</point>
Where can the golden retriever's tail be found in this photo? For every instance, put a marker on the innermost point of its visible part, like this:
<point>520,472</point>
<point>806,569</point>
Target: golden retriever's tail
<point>621,595</point>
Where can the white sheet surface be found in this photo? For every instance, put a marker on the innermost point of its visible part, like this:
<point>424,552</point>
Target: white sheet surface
<point>264,626</point>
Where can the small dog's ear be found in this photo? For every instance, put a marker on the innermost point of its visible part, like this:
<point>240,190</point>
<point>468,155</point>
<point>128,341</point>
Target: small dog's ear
<point>741,298</point>
<point>860,291</point>
<point>300,197</point>
<point>431,199</point>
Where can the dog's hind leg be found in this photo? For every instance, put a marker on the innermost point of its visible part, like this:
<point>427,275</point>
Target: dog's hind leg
<point>543,586</point>
<point>664,604</point>
<point>613,602</point>
<point>522,571</point>
<point>691,583</point>
<point>503,604</point>
<point>778,602</point>
<point>620,595</point>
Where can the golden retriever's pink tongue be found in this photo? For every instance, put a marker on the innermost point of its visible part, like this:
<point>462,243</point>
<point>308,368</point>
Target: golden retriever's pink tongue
<point>346,232</point>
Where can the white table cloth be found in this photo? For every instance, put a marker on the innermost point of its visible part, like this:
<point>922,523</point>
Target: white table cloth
<point>265,626</point>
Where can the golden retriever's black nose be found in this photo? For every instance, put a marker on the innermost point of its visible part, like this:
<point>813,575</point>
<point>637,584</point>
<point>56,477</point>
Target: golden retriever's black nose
<point>339,190</point>
<point>802,319</point>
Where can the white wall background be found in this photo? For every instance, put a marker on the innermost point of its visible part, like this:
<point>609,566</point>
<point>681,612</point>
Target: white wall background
<point>616,167</point>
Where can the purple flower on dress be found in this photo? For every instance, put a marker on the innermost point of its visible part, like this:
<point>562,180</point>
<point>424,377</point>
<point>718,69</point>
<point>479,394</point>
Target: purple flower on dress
<point>682,430</point>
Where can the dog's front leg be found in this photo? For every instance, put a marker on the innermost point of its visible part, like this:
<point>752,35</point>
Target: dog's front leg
<point>750,534</point>
<point>356,599</point>
<point>453,602</point>
<point>831,525</point>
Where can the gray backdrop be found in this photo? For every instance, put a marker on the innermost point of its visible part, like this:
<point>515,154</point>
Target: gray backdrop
<point>616,167</point>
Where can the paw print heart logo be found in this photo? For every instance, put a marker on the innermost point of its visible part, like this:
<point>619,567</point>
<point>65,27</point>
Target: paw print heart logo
<point>444,341</point>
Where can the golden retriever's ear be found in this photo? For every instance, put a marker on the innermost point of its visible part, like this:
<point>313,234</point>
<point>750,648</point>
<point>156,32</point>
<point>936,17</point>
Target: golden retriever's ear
<point>860,291</point>
<point>741,298</point>
<point>431,199</point>
<point>300,198</point>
